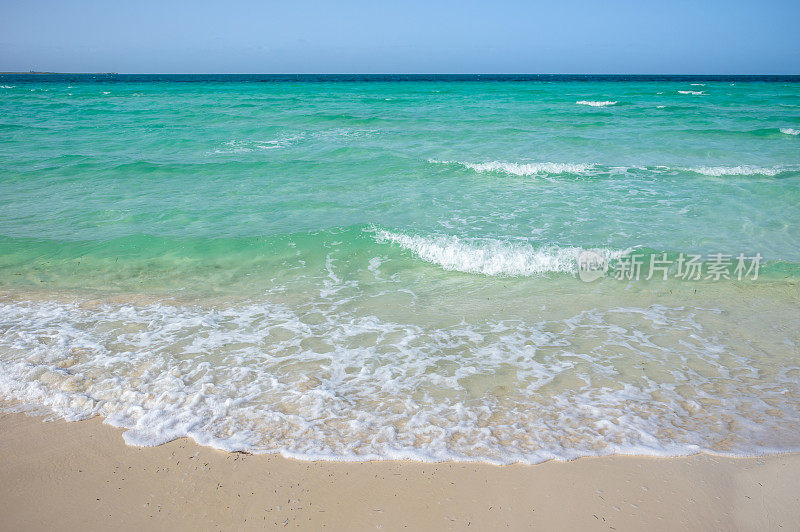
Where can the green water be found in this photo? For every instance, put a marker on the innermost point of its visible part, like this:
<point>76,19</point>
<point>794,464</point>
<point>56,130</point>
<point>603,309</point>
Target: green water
<point>389,269</point>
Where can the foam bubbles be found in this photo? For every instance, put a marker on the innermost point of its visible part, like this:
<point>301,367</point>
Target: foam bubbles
<point>490,256</point>
<point>596,103</point>
<point>524,169</point>
<point>718,171</point>
<point>585,169</point>
<point>326,383</point>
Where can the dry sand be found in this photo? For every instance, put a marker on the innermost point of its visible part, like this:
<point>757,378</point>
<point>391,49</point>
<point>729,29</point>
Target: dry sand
<point>81,475</point>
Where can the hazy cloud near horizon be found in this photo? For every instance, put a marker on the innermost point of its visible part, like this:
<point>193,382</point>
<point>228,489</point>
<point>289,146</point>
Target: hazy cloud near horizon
<point>573,36</point>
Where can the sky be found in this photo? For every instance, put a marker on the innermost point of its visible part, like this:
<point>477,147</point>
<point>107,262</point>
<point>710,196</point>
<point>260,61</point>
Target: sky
<point>406,36</point>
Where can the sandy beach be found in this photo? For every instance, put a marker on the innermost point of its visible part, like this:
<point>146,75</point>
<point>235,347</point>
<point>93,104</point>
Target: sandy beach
<point>81,476</point>
<point>400,266</point>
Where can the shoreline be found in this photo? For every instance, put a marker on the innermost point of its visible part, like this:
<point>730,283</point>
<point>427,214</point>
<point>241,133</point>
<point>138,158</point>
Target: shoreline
<point>82,475</point>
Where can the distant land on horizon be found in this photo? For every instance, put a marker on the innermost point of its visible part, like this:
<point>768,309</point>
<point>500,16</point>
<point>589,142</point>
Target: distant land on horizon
<point>38,73</point>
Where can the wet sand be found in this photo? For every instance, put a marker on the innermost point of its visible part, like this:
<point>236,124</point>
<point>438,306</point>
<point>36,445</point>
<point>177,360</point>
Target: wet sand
<point>81,476</point>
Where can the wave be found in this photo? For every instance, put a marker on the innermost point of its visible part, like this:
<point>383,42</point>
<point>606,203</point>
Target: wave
<point>790,131</point>
<point>718,171</point>
<point>315,383</point>
<point>692,92</point>
<point>730,133</point>
<point>523,169</point>
<point>585,169</point>
<point>596,103</point>
<point>490,256</point>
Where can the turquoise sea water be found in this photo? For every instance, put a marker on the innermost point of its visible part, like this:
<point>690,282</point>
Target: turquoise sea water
<point>371,268</point>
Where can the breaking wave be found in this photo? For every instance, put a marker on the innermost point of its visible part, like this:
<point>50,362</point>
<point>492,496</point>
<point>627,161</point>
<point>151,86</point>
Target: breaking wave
<point>322,384</point>
<point>490,256</point>
<point>596,104</point>
<point>524,169</point>
<point>718,171</point>
<point>587,169</point>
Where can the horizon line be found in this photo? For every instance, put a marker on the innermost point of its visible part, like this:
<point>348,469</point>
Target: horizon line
<point>112,73</point>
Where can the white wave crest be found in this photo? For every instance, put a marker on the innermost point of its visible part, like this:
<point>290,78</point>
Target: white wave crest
<point>524,168</point>
<point>596,104</point>
<point>544,169</point>
<point>790,131</point>
<point>718,171</point>
<point>691,92</point>
<point>490,256</point>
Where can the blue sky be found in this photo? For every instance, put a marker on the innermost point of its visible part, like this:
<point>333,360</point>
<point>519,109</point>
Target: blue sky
<point>563,36</point>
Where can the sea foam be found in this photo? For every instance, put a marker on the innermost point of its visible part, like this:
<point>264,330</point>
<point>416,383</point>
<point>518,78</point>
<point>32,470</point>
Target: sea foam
<point>790,131</point>
<point>523,169</point>
<point>596,103</point>
<point>718,171</point>
<point>322,383</point>
<point>490,256</point>
<point>587,169</point>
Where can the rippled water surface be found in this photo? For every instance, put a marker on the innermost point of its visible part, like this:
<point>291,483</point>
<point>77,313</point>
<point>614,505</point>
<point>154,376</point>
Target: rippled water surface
<point>350,269</point>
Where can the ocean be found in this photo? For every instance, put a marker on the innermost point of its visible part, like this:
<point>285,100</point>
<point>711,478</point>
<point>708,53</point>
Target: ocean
<point>476,268</point>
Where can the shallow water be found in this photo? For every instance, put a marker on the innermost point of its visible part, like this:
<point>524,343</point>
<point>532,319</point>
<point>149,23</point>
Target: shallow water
<point>376,269</point>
